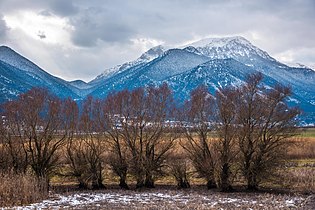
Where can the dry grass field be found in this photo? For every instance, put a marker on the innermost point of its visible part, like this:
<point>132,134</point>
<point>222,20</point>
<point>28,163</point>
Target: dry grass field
<point>300,173</point>
<point>294,191</point>
<point>19,189</point>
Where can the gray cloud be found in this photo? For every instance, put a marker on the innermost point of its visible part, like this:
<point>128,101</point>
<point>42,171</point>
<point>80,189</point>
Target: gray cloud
<point>99,24</point>
<point>58,7</point>
<point>63,8</point>
<point>102,30</point>
<point>3,28</point>
<point>45,13</point>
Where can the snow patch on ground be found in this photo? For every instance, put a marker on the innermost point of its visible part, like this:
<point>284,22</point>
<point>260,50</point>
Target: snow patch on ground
<point>165,198</point>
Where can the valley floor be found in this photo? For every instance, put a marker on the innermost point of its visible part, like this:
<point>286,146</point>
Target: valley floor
<point>173,199</point>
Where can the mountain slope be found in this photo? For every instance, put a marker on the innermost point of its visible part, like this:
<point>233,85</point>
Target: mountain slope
<point>243,51</point>
<point>215,74</point>
<point>217,62</point>
<point>22,74</point>
<point>146,57</point>
<point>12,82</point>
<point>172,62</point>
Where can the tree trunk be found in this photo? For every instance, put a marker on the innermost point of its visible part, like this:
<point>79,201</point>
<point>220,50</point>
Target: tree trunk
<point>82,185</point>
<point>97,181</point>
<point>98,184</point>
<point>211,184</point>
<point>149,182</point>
<point>123,184</point>
<point>183,184</point>
<point>224,182</point>
<point>252,183</point>
<point>140,183</point>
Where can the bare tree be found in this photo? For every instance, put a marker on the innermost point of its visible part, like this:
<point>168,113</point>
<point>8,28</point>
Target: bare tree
<point>249,119</point>
<point>141,115</point>
<point>264,123</point>
<point>110,122</point>
<point>159,136</point>
<point>226,129</point>
<point>42,118</point>
<point>93,149</point>
<point>77,163</point>
<point>34,120</point>
<point>179,167</point>
<point>75,147</point>
<point>14,155</point>
<point>197,119</point>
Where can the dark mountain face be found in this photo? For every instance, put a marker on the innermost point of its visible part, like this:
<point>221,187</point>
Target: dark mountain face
<point>216,63</point>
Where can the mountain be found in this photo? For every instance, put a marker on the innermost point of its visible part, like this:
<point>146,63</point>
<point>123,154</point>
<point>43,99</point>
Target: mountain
<point>229,47</point>
<point>146,57</point>
<point>80,84</point>
<point>216,73</point>
<point>18,74</point>
<point>300,65</point>
<point>172,62</point>
<point>215,62</point>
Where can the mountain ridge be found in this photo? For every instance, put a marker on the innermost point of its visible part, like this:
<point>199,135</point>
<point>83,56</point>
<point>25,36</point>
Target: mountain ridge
<point>147,56</point>
<point>33,72</point>
<point>215,62</point>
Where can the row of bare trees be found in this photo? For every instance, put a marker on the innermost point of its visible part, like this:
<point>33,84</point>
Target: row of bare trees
<point>251,125</point>
<point>142,133</point>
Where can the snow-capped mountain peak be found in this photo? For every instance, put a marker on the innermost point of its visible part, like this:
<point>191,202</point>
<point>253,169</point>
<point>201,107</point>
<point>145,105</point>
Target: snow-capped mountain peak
<point>235,47</point>
<point>218,42</point>
<point>152,53</point>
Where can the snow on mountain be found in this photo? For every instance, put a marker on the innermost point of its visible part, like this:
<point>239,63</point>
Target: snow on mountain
<point>14,64</point>
<point>172,62</point>
<point>300,65</point>
<point>236,47</point>
<point>11,82</point>
<point>11,57</point>
<point>243,51</point>
<point>216,62</point>
<point>215,74</point>
<point>144,58</point>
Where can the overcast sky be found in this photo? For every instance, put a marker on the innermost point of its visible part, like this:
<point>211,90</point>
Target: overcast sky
<point>79,39</point>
